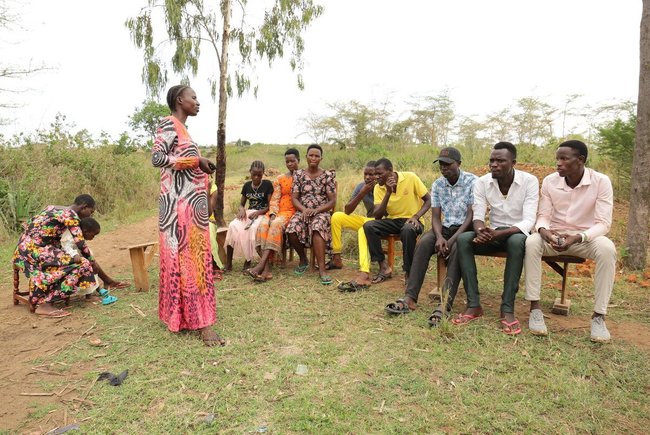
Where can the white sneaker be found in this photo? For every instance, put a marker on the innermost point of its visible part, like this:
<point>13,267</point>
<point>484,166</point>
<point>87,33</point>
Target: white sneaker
<point>536,323</point>
<point>599,332</point>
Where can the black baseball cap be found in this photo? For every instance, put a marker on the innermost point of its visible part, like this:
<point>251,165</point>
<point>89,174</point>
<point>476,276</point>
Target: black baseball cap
<point>448,155</point>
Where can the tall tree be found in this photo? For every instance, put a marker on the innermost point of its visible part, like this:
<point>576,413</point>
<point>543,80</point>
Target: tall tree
<point>193,24</point>
<point>533,121</point>
<point>639,220</point>
<point>431,118</point>
<point>147,117</point>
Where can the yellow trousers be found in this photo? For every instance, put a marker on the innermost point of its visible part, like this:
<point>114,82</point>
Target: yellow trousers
<point>341,220</point>
<point>214,245</point>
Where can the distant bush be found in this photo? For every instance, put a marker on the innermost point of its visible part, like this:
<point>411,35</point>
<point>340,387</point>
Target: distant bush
<point>55,171</point>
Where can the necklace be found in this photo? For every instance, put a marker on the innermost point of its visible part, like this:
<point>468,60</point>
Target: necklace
<point>255,188</point>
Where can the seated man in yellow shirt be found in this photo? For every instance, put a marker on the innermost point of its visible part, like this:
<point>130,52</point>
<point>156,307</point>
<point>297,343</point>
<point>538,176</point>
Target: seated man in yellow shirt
<point>340,220</point>
<point>401,199</point>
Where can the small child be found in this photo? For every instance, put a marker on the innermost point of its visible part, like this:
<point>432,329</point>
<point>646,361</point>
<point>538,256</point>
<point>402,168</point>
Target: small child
<point>241,231</point>
<point>90,228</point>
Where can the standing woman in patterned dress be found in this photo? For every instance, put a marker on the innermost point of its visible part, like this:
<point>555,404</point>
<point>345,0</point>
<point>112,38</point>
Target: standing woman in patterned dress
<point>186,294</point>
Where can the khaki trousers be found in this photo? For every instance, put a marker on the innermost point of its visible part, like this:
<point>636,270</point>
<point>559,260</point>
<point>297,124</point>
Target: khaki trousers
<point>600,249</point>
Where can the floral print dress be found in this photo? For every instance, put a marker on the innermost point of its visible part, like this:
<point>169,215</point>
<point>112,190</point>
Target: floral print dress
<point>312,194</point>
<point>52,274</point>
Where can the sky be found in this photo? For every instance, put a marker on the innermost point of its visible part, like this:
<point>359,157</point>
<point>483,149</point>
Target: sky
<point>486,53</point>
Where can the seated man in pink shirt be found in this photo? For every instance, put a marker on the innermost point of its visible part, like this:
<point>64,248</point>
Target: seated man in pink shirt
<point>575,214</point>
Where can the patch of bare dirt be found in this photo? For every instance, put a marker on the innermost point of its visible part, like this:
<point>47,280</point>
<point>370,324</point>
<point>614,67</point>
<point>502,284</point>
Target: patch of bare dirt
<point>26,337</point>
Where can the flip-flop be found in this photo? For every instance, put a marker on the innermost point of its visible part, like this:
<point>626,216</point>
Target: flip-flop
<point>351,286</point>
<point>325,280</point>
<point>464,319</point>
<point>56,314</point>
<point>300,269</point>
<point>331,266</point>
<point>380,277</point>
<point>110,299</point>
<point>511,328</point>
<point>398,307</point>
<point>251,274</point>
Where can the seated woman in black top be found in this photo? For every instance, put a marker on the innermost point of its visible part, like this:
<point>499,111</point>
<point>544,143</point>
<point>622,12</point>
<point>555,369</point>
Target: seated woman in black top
<point>240,239</point>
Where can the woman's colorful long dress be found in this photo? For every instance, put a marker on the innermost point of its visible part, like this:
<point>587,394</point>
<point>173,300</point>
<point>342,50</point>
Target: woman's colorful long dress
<point>186,293</point>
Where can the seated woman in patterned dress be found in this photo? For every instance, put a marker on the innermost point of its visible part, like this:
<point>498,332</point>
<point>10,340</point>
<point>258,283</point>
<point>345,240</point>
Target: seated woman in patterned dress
<point>240,239</point>
<point>314,196</point>
<point>53,274</point>
<point>270,233</point>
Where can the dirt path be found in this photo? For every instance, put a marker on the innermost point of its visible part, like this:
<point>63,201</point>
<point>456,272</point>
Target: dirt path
<point>25,338</point>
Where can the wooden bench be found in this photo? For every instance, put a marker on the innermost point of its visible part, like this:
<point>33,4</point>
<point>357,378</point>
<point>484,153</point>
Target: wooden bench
<point>141,257</point>
<point>24,297</point>
<point>561,304</point>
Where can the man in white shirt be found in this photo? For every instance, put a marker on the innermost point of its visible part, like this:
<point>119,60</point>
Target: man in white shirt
<point>512,197</point>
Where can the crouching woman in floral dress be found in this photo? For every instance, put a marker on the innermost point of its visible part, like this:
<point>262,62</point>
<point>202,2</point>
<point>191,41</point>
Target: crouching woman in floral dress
<point>53,274</point>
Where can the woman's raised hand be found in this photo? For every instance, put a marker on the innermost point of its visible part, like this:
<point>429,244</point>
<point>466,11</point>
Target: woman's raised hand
<point>206,165</point>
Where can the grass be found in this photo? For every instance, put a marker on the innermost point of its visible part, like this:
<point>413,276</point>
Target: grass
<point>367,373</point>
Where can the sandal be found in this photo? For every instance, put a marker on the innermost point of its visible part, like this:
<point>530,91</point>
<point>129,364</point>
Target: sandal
<point>398,307</point>
<point>102,292</point>
<point>351,286</point>
<point>380,277</point>
<point>325,279</point>
<point>436,317</point>
<point>464,319</point>
<point>300,269</point>
<point>251,274</point>
<point>512,328</point>
<point>109,299</point>
<point>217,274</point>
<point>331,266</point>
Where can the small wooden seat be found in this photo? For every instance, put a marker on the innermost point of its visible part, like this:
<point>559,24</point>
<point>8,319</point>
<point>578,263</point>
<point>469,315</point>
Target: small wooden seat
<point>141,257</point>
<point>25,296</point>
<point>390,248</point>
<point>19,296</point>
<point>561,304</point>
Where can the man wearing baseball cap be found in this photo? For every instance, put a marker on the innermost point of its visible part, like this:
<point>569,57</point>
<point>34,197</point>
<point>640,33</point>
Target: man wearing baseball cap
<point>451,215</point>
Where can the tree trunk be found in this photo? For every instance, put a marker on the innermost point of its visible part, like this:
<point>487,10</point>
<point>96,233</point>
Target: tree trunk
<point>639,220</point>
<point>220,175</point>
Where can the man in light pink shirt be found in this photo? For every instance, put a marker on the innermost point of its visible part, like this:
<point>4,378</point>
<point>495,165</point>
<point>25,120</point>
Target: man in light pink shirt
<point>575,214</point>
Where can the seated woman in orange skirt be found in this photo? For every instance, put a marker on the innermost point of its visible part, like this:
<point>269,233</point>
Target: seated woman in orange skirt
<point>271,229</point>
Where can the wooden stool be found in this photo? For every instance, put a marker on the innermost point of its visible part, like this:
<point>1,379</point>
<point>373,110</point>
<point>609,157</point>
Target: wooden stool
<point>25,297</point>
<point>390,248</point>
<point>141,257</point>
<point>19,296</point>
